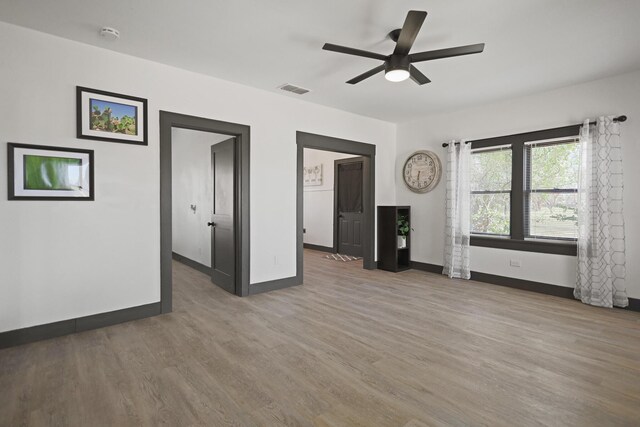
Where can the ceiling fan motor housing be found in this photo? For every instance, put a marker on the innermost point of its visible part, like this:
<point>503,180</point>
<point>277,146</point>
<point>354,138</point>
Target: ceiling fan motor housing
<point>397,62</point>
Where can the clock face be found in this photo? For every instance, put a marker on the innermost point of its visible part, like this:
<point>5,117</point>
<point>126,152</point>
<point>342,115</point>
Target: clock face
<point>422,171</point>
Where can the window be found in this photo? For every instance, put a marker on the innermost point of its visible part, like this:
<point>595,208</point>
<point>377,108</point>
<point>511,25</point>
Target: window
<point>524,191</point>
<point>491,191</point>
<point>551,189</point>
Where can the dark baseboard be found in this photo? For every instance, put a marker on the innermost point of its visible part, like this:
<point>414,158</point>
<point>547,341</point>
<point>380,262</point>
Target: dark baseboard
<point>318,247</point>
<point>423,266</point>
<point>634,304</point>
<point>272,285</point>
<point>37,333</point>
<point>119,316</point>
<point>525,285</point>
<point>191,263</point>
<point>510,282</point>
<point>255,288</point>
<point>66,327</point>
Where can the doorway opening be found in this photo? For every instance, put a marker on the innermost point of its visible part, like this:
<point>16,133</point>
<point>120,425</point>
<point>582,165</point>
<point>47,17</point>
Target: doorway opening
<point>204,201</point>
<point>336,198</point>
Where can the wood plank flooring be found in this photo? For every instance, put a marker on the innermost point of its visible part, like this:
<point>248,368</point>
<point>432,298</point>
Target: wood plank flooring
<point>349,348</point>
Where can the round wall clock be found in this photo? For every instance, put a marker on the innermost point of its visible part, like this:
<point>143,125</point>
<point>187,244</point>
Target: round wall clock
<point>422,171</point>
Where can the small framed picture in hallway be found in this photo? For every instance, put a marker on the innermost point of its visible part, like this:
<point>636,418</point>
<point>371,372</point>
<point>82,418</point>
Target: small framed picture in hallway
<point>313,175</point>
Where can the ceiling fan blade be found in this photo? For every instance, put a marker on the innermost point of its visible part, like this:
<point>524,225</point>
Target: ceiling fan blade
<point>446,53</point>
<point>352,51</point>
<point>409,32</point>
<point>366,75</point>
<point>417,76</point>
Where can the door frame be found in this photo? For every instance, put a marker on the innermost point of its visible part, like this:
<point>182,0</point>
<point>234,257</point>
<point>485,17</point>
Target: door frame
<point>241,133</point>
<point>336,225</point>
<point>328,143</point>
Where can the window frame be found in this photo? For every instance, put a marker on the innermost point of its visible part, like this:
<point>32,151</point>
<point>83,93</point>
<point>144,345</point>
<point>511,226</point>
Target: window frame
<point>517,240</point>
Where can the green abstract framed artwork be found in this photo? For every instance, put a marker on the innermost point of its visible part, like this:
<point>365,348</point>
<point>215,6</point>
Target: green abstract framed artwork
<point>108,116</point>
<point>38,172</point>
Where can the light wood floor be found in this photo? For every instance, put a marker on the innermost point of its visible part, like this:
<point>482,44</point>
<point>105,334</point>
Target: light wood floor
<point>349,348</point>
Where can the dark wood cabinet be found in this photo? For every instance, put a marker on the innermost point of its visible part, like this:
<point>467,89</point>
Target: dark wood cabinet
<point>390,256</point>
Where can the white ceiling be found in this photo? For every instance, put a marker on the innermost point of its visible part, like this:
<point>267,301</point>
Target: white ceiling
<point>531,45</point>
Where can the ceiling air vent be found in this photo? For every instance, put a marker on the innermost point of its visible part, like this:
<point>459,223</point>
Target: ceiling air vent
<point>295,89</point>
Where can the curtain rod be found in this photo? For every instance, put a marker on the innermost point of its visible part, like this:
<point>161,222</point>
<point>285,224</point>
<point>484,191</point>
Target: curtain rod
<point>619,119</point>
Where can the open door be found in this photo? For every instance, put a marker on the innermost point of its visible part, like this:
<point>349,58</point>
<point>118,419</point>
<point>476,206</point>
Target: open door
<point>349,205</point>
<point>223,250</point>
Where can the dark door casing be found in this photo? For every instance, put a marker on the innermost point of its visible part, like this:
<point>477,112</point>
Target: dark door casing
<point>242,135</point>
<point>338,145</point>
<point>348,187</point>
<point>223,262</point>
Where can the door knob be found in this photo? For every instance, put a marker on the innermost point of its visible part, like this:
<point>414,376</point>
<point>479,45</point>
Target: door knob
<point>211,224</point>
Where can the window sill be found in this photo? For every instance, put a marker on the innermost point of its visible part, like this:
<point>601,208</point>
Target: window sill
<point>548,247</point>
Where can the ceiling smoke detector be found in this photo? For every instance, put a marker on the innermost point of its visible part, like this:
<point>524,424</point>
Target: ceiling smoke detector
<point>110,33</point>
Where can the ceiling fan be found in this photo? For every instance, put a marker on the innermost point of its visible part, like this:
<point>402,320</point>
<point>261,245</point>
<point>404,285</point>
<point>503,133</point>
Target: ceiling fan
<point>399,65</point>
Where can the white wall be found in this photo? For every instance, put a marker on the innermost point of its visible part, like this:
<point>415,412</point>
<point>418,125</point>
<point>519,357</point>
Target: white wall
<point>61,260</point>
<point>192,184</point>
<point>318,200</point>
<point>566,106</point>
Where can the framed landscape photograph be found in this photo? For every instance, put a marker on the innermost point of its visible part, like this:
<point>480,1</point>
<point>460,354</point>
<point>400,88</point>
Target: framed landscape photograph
<point>38,172</point>
<point>107,116</point>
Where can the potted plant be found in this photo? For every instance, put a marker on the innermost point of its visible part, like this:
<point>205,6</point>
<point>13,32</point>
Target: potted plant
<point>403,231</point>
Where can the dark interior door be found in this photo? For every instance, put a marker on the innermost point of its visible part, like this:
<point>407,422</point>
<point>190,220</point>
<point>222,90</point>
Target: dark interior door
<point>349,205</point>
<point>223,250</point>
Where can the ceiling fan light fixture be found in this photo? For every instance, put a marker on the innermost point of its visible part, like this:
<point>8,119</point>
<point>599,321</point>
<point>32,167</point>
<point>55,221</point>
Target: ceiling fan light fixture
<point>397,75</point>
<point>397,68</point>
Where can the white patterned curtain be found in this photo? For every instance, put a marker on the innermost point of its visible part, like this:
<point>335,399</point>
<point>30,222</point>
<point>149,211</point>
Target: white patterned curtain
<point>601,248</point>
<point>458,233</point>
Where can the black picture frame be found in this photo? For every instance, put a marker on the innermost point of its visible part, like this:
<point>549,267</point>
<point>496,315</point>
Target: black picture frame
<point>83,114</point>
<point>11,147</point>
